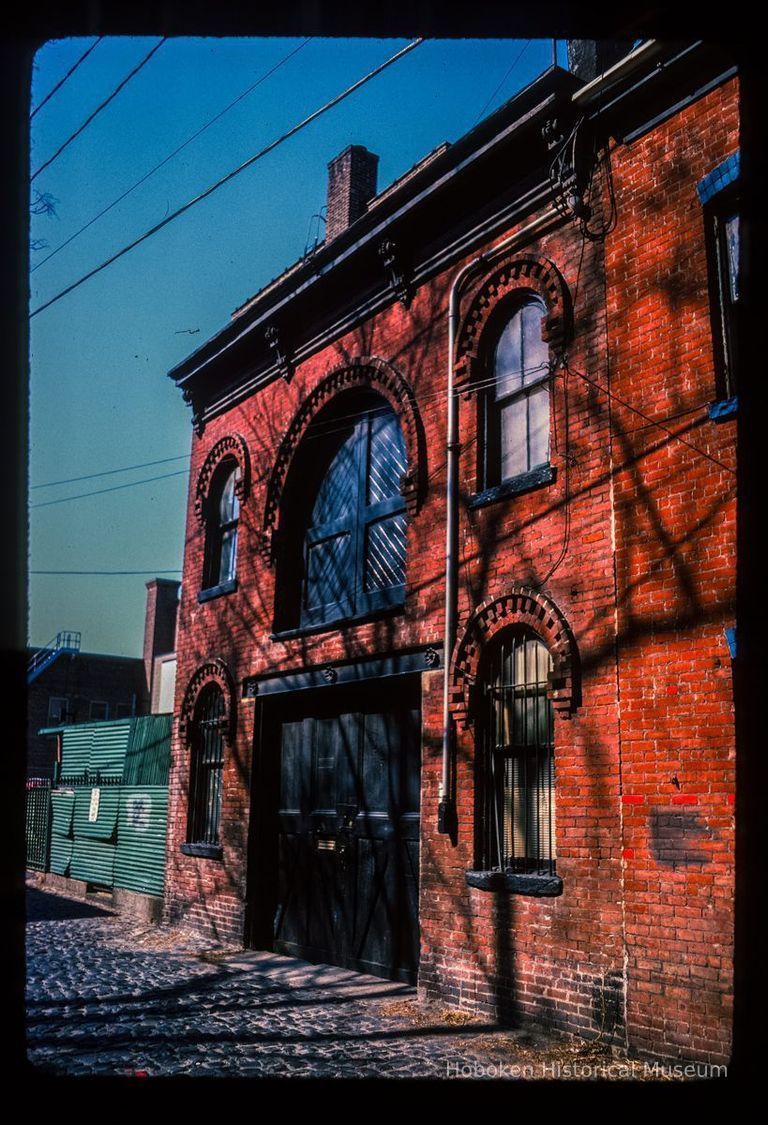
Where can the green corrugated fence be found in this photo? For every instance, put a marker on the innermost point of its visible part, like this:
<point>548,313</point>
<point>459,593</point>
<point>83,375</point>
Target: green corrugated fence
<point>109,825</point>
<point>142,827</point>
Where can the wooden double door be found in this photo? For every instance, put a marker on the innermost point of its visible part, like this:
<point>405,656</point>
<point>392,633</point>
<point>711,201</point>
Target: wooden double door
<point>338,852</point>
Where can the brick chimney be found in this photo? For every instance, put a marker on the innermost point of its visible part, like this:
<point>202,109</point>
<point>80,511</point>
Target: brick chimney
<point>588,58</point>
<point>159,623</point>
<point>351,184</point>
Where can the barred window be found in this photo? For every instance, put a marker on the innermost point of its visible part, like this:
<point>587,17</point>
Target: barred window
<point>206,767</point>
<point>516,729</point>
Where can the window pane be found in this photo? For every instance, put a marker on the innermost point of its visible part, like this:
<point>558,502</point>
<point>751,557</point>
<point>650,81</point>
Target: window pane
<point>337,494</point>
<point>386,457</point>
<point>385,554</point>
<point>328,572</point>
<point>207,762</point>
<point>538,422</point>
<point>228,555</point>
<point>520,810</point>
<point>535,351</point>
<point>229,505</point>
<point>732,251</point>
<point>512,420</point>
<point>508,361</point>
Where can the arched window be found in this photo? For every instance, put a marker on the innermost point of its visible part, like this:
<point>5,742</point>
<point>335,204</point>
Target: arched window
<point>345,516</point>
<point>221,519</point>
<point>514,404</point>
<point>206,767</point>
<point>516,757</point>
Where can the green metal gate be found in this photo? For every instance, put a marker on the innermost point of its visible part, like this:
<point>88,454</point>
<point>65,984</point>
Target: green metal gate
<point>38,822</point>
<point>109,817</point>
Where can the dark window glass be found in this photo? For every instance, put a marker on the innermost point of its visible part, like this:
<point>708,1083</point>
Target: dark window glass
<point>515,402</point>
<point>517,732</point>
<point>207,761</point>
<point>724,254</point>
<point>355,543</point>
<point>221,527</point>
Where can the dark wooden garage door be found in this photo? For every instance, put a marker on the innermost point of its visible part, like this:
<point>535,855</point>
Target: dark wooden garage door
<point>347,828</point>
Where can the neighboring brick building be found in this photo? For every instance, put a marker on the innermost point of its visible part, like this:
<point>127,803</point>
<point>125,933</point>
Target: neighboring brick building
<point>83,687</point>
<point>565,852</point>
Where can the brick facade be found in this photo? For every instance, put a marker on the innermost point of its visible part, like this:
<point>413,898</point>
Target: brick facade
<point>622,561</point>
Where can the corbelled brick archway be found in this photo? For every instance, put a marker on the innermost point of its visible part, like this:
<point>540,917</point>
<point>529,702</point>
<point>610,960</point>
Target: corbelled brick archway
<point>523,272</point>
<point>231,446</point>
<point>526,607</point>
<point>214,671</point>
<point>364,373</point>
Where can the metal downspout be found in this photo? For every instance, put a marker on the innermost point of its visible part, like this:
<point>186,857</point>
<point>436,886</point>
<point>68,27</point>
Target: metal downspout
<point>446,815</point>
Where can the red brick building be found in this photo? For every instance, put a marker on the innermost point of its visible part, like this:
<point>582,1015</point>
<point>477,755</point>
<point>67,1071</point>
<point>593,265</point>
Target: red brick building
<point>473,457</point>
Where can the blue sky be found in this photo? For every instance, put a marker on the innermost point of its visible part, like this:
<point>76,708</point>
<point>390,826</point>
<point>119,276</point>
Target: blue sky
<point>100,398</point>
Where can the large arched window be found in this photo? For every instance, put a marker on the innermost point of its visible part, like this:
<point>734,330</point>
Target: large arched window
<point>221,518</point>
<point>206,768</point>
<point>514,403</point>
<point>516,757</point>
<point>344,516</point>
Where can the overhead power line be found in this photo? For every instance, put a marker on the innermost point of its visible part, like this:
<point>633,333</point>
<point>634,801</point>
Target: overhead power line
<point>105,573</point>
<point>651,421</point>
<point>526,45</point>
<point>171,155</point>
<point>98,109</point>
<point>114,488</point>
<point>231,175</point>
<point>111,472</point>
<point>69,74</point>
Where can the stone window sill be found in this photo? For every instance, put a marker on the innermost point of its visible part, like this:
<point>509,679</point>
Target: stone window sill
<point>724,409</point>
<point>217,591</point>
<point>336,623</point>
<point>537,886</point>
<point>536,478</point>
<point>203,851</point>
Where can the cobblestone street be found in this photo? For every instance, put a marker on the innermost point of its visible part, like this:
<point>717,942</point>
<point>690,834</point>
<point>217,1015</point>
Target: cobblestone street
<point>106,995</point>
<point>110,996</point>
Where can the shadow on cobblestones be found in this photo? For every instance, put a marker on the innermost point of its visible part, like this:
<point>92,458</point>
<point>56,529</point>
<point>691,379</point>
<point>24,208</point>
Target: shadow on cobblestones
<point>44,907</point>
<point>159,1003</point>
<point>140,999</point>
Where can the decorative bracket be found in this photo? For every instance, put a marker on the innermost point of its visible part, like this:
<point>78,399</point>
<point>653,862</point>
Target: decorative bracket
<point>389,255</point>
<point>567,173</point>
<point>198,425</point>
<point>552,133</point>
<point>282,361</point>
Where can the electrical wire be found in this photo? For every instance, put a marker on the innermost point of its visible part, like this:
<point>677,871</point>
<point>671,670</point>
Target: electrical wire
<point>230,175</point>
<point>504,79</point>
<point>106,573</point>
<point>69,74</point>
<point>114,488</point>
<point>651,421</point>
<point>111,472</point>
<point>170,156</point>
<point>98,110</point>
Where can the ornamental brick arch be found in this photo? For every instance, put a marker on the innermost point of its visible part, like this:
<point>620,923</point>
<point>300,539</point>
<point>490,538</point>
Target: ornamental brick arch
<point>525,607</point>
<point>232,447</point>
<point>216,672</point>
<point>365,372</point>
<point>521,273</point>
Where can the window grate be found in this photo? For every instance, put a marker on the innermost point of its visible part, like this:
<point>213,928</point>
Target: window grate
<point>518,733</point>
<point>205,789</point>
